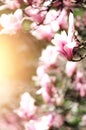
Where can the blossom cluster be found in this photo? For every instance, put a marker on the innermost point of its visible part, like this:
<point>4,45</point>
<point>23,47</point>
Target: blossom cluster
<point>57,76</point>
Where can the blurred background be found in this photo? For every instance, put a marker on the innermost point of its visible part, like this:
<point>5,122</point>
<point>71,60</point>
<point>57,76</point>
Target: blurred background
<point>18,61</point>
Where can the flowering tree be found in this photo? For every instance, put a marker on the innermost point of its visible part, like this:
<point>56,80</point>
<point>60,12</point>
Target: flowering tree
<point>60,80</point>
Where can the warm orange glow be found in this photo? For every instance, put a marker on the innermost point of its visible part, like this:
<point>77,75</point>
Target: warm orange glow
<point>18,56</point>
<point>11,61</point>
<point>5,61</point>
<point>7,69</point>
<point>11,66</point>
<point>17,63</point>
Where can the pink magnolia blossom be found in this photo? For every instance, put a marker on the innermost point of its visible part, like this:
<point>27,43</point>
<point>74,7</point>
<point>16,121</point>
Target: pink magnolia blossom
<point>43,123</point>
<point>47,84</point>
<point>11,23</point>
<point>51,16</point>
<point>10,121</point>
<point>11,4</point>
<point>47,89</point>
<point>35,14</point>
<point>55,19</point>
<point>57,22</point>
<point>65,43</point>
<point>64,47</point>
<point>51,23</point>
<point>63,17</point>
<point>27,107</point>
<point>49,57</point>
<point>41,71</point>
<point>58,120</point>
<point>71,68</point>
<point>80,84</point>
<point>52,19</point>
<point>42,31</point>
<point>83,120</point>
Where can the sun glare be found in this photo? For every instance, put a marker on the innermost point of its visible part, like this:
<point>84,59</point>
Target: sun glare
<point>5,61</point>
<point>9,59</point>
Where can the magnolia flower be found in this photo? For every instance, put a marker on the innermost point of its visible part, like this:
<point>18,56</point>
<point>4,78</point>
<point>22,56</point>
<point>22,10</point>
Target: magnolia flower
<point>47,89</point>
<point>80,84</point>
<point>11,23</point>
<point>42,31</point>
<point>65,43</point>
<point>51,23</point>
<point>58,120</point>
<point>50,16</point>
<point>63,17</point>
<point>83,120</point>
<point>41,71</point>
<point>49,57</point>
<point>63,47</point>
<point>71,68</point>
<point>35,14</point>
<point>10,4</point>
<point>43,123</point>
<point>27,107</point>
